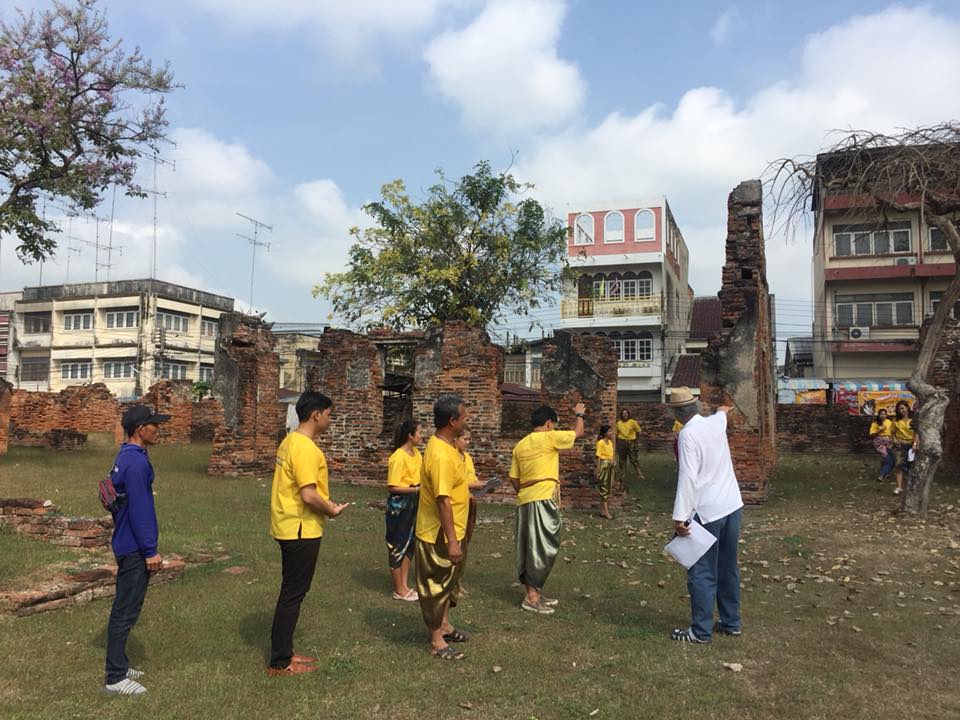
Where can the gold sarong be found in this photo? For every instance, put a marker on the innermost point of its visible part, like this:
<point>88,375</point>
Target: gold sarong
<point>538,540</point>
<point>438,580</point>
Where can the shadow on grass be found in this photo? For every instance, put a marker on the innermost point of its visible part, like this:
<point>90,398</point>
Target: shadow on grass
<point>398,628</point>
<point>254,629</point>
<point>377,580</point>
<point>135,648</point>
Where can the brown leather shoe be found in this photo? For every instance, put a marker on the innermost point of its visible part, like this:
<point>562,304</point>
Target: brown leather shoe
<point>302,659</point>
<point>291,669</point>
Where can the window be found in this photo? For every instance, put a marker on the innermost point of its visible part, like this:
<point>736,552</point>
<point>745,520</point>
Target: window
<point>173,371</point>
<point>113,369</point>
<point>36,323</point>
<point>644,349</point>
<point>613,227</point>
<point>78,321</point>
<point>644,224</point>
<point>583,230</point>
<point>935,297</point>
<point>892,237</point>
<point>938,241</point>
<point>70,370</point>
<point>206,374</point>
<point>209,328</point>
<point>633,349</point>
<point>123,318</point>
<point>645,283</point>
<point>34,369</point>
<point>630,288</point>
<point>176,323</point>
<point>880,310</point>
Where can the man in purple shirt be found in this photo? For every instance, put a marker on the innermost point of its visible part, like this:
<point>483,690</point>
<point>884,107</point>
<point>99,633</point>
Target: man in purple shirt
<point>134,543</point>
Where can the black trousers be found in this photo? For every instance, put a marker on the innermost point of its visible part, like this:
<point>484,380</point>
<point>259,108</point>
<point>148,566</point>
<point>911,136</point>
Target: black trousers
<point>132,580</point>
<point>299,559</point>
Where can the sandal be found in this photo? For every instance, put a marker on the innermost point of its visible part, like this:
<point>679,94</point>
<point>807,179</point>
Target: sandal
<point>448,653</point>
<point>456,636</point>
<point>411,596</point>
<point>685,635</point>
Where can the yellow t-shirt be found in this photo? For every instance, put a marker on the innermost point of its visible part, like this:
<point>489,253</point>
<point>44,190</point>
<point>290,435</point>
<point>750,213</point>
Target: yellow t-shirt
<point>903,431</point>
<point>403,469</point>
<point>627,430</point>
<point>470,472</point>
<point>885,431</point>
<point>535,457</point>
<point>444,474</point>
<point>604,449</point>
<point>677,427</point>
<point>299,463</point>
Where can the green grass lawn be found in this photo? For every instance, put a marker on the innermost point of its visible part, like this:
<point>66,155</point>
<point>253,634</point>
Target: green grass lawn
<point>848,612</point>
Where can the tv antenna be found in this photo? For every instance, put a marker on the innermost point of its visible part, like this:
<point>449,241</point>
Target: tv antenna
<point>155,192</point>
<point>254,244</point>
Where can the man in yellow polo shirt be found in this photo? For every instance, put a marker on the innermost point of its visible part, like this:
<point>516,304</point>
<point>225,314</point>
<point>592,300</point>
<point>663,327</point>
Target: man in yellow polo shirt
<point>299,505</point>
<point>442,526</point>
<point>535,475</point>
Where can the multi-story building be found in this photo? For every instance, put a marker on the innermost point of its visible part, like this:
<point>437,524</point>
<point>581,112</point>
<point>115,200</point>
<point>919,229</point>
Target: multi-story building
<point>127,334</point>
<point>629,284</point>
<point>7,302</point>
<point>296,344</point>
<point>874,280</point>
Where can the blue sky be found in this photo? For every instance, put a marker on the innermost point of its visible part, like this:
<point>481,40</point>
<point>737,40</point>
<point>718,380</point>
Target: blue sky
<point>296,111</point>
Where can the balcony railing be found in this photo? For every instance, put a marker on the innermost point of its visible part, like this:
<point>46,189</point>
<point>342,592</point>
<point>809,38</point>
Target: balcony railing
<point>588,307</point>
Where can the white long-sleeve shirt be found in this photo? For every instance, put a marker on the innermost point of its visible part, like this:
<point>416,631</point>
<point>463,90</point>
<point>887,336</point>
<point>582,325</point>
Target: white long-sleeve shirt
<point>706,484</point>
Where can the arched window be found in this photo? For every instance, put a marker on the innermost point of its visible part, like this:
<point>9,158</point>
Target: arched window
<point>584,230</point>
<point>644,346</point>
<point>644,283</point>
<point>643,224</point>
<point>613,227</point>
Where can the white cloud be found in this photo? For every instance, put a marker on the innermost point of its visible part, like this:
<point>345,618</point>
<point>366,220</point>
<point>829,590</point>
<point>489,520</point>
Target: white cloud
<point>723,26</point>
<point>347,29</point>
<point>696,154</point>
<point>503,69</point>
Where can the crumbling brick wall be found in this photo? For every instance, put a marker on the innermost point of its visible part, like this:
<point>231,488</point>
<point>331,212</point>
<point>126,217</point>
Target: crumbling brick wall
<point>245,375</point>
<point>41,520</point>
<point>461,360</point>
<point>738,365</point>
<point>207,417</point>
<point>173,398</point>
<point>6,393</point>
<point>822,429</point>
<point>349,370</point>
<point>83,408</point>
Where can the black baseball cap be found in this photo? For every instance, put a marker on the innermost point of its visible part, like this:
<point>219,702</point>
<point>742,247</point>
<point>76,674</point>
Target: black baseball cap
<point>140,415</point>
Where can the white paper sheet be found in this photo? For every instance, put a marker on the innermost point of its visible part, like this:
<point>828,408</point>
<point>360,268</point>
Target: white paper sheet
<point>687,549</point>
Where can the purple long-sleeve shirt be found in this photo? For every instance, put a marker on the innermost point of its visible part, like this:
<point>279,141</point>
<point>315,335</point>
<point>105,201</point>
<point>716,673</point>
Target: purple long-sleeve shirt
<point>135,523</point>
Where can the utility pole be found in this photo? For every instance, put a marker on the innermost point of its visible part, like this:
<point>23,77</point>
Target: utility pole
<point>155,192</point>
<point>254,244</point>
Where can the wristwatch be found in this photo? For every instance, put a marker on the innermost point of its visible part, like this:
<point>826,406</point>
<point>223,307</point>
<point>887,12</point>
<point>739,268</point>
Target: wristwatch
<point>580,415</point>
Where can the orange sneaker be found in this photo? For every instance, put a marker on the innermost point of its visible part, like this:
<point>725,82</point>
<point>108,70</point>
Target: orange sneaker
<point>291,669</point>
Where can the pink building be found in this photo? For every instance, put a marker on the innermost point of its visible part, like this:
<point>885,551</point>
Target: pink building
<point>629,283</point>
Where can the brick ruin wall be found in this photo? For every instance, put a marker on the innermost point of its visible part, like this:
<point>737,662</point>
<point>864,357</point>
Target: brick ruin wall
<point>6,394</point>
<point>461,360</point>
<point>738,365</point>
<point>41,520</point>
<point>245,374</point>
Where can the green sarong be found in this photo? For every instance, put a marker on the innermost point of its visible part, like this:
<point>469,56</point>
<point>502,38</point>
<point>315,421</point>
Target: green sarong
<point>538,540</point>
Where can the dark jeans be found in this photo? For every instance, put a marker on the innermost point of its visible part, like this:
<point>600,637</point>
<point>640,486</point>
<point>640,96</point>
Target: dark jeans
<point>132,579</point>
<point>299,561</point>
<point>715,579</point>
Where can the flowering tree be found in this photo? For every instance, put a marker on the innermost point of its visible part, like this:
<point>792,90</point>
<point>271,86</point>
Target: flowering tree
<point>472,251</point>
<point>76,112</point>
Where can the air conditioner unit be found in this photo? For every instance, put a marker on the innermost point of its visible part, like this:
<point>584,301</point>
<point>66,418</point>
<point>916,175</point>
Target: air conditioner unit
<point>859,333</point>
<point>905,261</point>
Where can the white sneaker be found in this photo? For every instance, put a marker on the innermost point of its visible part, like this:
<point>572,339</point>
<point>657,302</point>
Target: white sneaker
<point>135,674</point>
<point>125,687</point>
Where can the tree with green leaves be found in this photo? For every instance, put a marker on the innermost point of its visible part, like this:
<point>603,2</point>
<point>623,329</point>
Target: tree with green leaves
<point>76,112</point>
<point>473,250</point>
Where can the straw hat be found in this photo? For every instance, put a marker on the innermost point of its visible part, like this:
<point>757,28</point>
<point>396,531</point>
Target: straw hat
<point>680,396</point>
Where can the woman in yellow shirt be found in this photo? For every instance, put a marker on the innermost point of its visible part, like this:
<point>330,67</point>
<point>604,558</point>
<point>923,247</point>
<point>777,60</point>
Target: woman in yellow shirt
<point>606,468</point>
<point>881,431</point>
<point>403,482</point>
<point>904,440</point>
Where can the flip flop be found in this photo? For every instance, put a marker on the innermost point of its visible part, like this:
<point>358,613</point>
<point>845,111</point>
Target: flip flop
<point>448,653</point>
<point>456,636</point>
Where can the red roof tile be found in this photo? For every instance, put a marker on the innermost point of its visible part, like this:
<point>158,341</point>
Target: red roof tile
<point>705,320</point>
<point>687,372</point>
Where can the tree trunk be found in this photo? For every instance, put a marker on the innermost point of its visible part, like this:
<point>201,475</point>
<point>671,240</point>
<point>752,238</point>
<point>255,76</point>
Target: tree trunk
<point>927,422</point>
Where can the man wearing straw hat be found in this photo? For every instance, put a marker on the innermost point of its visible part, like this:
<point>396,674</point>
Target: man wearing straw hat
<point>708,493</point>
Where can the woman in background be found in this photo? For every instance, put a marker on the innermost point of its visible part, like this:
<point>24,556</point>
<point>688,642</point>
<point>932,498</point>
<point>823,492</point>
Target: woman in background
<point>606,468</point>
<point>881,431</point>
<point>904,440</point>
<point>403,482</point>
